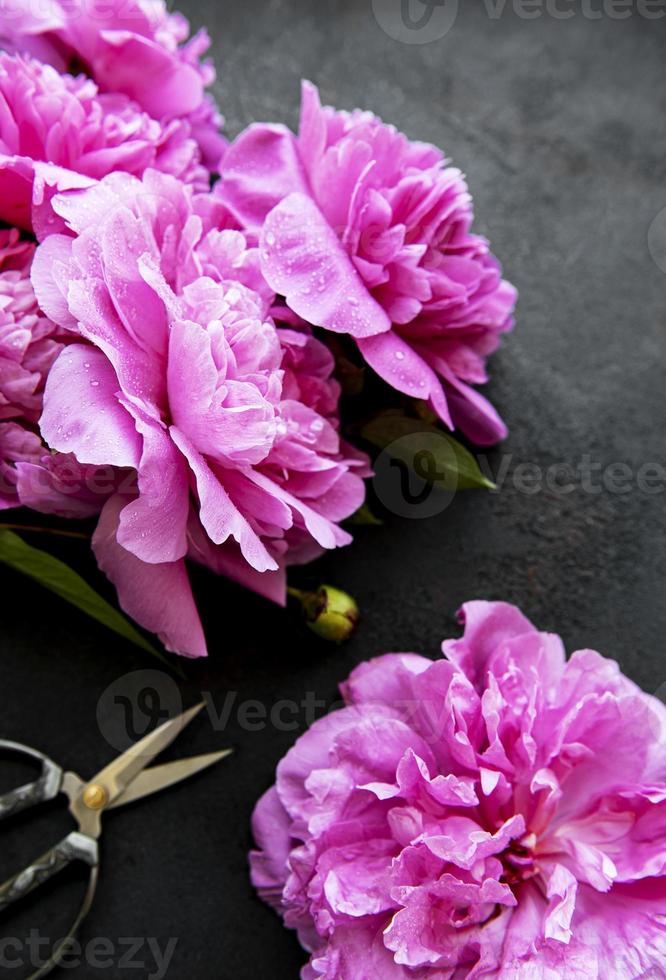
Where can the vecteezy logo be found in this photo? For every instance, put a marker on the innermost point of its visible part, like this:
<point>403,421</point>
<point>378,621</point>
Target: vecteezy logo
<point>135,704</point>
<point>415,476</point>
<point>415,21</point>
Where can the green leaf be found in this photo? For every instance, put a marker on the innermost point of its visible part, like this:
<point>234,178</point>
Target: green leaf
<point>411,440</point>
<point>364,516</point>
<point>54,575</point>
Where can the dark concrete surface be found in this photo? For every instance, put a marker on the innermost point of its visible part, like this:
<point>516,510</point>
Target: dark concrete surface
<point>559,126</point>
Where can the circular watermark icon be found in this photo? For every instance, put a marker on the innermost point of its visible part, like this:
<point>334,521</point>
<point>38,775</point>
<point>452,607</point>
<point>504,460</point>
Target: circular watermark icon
<point>135,704</point>
<point>415,21</point>
<point>656,239</point>
<point>416,475</point>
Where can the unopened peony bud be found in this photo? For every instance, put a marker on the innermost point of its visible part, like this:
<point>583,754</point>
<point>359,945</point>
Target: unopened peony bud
<point>329,612</point>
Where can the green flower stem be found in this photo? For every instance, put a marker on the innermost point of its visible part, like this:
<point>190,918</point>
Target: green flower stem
<point>30,529</point>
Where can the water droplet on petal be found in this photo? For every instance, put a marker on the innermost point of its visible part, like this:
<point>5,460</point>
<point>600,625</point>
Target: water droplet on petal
<point>400,355</point>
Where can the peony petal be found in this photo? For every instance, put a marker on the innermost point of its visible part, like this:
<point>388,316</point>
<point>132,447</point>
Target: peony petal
<point>219,516</point>
<point>403,368</point>
<point>487,626</point>
<point>140,374</point>
<point>617,935</point>
<point>387,678</point>
<point>325,533</point>
<point>270,829</point>
<point>49,182</point>
<point>123,240</point>
<point>164,85</point>
<point>16,180</point>
<point>157,596</point>
<point>260,169</point>
<point>228,560</point>
<point>87,207</point>
<point>561,888</point>
<point>42,487</point>
<point>356,880</point>
<point>312,124</point>
<point>471,412</point>
<point>376,748</point>
<point>82,414</point>
<point>624,932</point>
<point>303,260</point>
<point>312,751</point>
<point>241,433</point>
<point>153,527</point>
<point>49,277</point>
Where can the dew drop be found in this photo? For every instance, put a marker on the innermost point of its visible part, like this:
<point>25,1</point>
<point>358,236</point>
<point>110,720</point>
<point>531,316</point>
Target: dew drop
<point>270,238</point>
<point>400,355</point>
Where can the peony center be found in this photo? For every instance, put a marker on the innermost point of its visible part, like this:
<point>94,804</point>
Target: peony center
<point>518,860</point>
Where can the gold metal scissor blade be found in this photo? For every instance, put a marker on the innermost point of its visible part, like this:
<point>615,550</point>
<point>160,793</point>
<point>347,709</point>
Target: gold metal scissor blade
<point>107,785</point>
<point>161,777</point>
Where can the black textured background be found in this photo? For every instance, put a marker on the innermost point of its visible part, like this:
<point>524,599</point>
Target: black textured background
<point>559,126</point>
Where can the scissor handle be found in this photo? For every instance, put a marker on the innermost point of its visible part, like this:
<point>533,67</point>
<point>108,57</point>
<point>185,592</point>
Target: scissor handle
<point>75,847</point>
<point>45,788</point>
<point>23,798</point>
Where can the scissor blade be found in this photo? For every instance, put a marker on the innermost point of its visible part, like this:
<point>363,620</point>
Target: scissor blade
<point>117,776</point>
<point>161,777</point>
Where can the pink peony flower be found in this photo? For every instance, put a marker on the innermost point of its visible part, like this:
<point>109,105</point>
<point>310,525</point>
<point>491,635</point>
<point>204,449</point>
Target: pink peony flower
<point>29,345</point>
<point>31,476</point>
<point>367,233</point>
<point>57,484</point>
<point>130,47</point>
<point>181,378</point>
<point>499,813</point>
<point>64,122</point>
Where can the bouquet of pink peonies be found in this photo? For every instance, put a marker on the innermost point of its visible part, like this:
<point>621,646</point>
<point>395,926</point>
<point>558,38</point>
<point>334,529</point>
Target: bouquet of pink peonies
<point>179,317</point>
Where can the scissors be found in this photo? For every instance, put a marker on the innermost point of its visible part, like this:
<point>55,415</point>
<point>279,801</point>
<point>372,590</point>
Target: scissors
<point>123,781</point>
